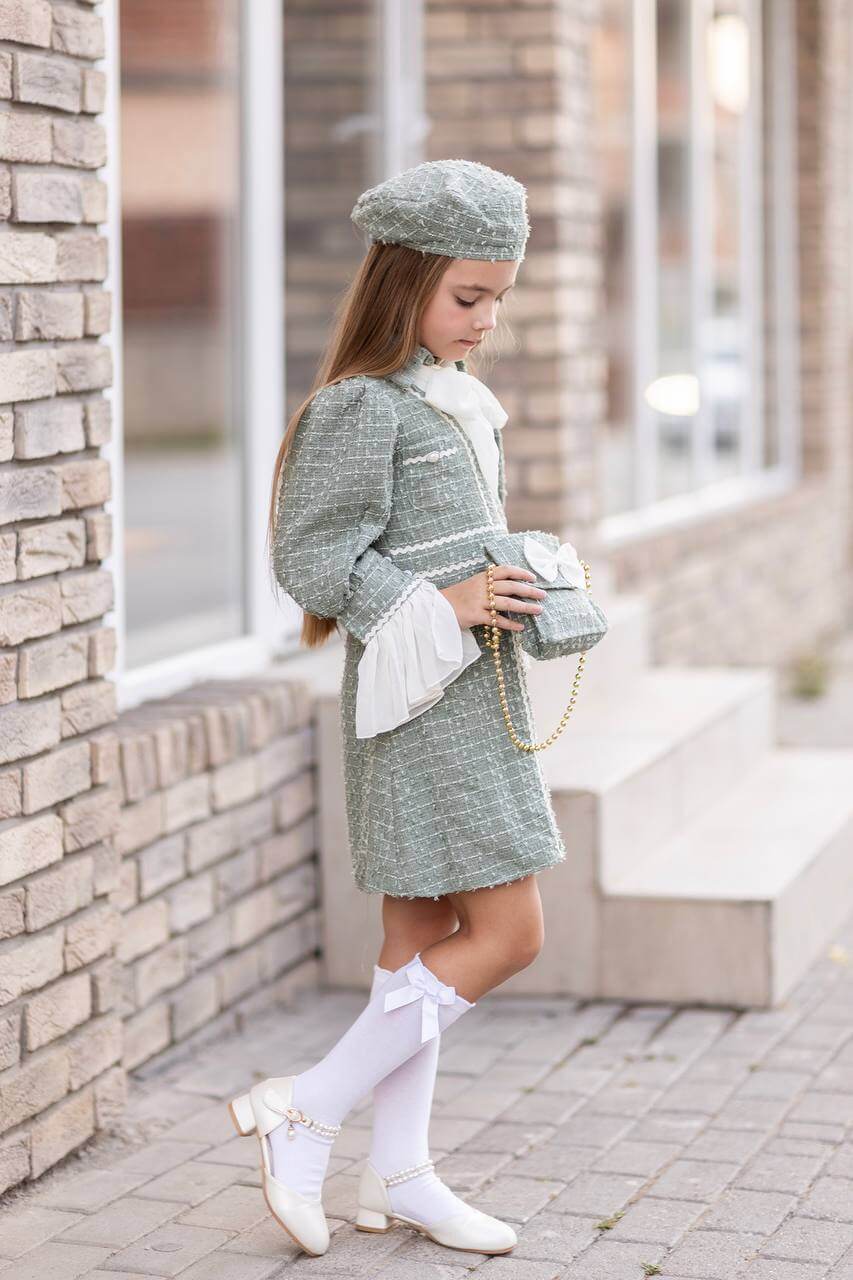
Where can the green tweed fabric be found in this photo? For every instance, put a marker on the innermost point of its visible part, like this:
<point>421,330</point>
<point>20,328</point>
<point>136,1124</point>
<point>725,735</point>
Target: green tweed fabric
<point>379,491</point>
<point>455,207</point>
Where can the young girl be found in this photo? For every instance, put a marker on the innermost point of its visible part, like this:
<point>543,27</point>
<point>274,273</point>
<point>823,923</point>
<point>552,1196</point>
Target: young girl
<point>389,478</point>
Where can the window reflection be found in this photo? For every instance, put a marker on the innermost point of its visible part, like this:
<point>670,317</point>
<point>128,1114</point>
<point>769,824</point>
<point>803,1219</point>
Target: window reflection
<point>180,105</point>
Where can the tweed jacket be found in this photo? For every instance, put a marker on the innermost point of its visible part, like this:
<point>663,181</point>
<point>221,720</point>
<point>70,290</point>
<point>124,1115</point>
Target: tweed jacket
<point>379,492</point>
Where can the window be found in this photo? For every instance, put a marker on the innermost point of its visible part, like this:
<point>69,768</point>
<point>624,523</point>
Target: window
<point>197,224</point>
<point>680,114</point>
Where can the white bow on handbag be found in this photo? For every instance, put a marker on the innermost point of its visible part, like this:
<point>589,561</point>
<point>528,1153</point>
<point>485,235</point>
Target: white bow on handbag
<point>547,563</point>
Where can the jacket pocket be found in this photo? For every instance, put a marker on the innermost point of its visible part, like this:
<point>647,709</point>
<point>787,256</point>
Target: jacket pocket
<point>429,478</point>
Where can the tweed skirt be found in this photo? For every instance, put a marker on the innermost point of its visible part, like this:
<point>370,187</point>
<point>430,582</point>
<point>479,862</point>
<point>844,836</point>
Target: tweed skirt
<point>446,802</point>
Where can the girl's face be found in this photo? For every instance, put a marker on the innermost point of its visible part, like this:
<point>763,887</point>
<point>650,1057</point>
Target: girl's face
<point>464,307</point>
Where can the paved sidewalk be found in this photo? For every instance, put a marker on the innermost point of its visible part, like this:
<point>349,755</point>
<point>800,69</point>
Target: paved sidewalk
<point>617,1139</point>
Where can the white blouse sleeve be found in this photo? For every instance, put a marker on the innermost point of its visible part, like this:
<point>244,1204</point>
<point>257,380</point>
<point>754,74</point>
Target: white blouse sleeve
<point>405,667</point>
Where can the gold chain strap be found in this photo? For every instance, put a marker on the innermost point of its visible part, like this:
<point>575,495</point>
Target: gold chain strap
<point>493,641</point>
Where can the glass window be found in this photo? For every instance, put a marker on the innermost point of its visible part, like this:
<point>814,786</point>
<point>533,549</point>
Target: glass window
<point>678,114</point>
<point>183,439</point>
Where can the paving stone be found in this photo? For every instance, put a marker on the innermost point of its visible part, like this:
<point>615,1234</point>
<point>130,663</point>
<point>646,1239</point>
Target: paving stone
<point>712,1255</point>
<point>732,1145</point>
<point>168,1250</point>
<point>190,1183</point>
<point>55,1261</point>
<point>120,1223</point>
<point>667,1126</point>
<point>499,1136</point>
<point>772,1172</point>
<point>774,1269</point>
<point>840,1163</point>
<point>243,1152</point>
<point>597,1193</point>
<point>234,1209</point>
<point>694,1179</point>
<point>644,1158</point>
<point>588,1130</point>
<point>741,1210</point>
<point>560,1164</point>
<point>223,1266</point>
<point>810,1240</point>
<point>610,1260</point>
<point>23,1229</point>
<point>159,1157</point>
<point>511,1268</point>
<point>659,1221</point>
<point>89,1190</point>
<point>823,1108</point>
<point>558,1236</point>
<point>466,1171</point>
<point>516,1199</point>
<point>774,1084</point>
<point>829,1198</point>
<point>752,1113</point>
<point>408,1269</point>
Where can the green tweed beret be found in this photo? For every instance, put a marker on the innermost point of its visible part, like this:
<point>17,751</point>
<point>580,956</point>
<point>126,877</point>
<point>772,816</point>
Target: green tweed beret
<point>455,207</point>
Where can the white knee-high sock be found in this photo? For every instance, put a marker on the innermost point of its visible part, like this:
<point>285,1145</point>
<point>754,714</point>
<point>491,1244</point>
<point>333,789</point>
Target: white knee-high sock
<point>411,1008</point>
<point>402,1103</point>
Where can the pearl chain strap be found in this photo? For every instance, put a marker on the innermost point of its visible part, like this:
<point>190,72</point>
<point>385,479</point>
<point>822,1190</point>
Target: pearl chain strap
<point>403,1175</point>
<point>293,1113</point>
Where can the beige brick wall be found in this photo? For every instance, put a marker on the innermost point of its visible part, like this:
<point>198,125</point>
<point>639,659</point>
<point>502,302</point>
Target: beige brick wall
<point>60,1032</point>
<point>218,888</point>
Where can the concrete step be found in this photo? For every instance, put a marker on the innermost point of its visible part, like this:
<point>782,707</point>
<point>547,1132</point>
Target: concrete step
<point>652,756</point>
<point>738,903</point>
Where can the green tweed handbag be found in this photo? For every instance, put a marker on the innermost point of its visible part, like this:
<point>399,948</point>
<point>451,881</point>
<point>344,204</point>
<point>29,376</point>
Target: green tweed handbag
<point>570,621</point>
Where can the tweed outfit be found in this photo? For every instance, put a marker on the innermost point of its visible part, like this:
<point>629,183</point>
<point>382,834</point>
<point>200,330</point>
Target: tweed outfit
<point>379,492</point>
<point>458,208</point>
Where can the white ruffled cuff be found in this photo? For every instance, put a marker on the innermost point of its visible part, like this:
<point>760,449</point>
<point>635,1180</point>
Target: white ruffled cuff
<point>406,666</point>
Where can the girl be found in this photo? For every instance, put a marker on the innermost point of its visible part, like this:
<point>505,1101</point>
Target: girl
<point>388,480</point>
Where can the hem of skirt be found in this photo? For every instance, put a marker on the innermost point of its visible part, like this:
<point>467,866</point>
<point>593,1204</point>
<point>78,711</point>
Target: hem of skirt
<point>459,888</point>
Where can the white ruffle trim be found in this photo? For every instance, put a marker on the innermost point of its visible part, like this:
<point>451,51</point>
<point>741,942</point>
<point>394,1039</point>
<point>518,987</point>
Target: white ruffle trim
<point>406,666</point>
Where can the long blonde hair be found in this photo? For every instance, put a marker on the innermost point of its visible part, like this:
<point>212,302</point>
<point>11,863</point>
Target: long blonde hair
<point>375,333</point>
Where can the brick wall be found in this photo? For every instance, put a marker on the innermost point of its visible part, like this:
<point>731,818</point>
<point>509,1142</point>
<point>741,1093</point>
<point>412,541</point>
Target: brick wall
<point>219,880</point>
<point>157,869</point>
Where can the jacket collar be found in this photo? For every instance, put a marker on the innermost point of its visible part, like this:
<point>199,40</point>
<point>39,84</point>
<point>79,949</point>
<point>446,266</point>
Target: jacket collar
<point>419,357</point>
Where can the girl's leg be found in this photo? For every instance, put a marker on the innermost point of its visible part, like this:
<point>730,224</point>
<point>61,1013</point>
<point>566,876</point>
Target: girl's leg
<point>402,1101</point>
<point>497,937</point>
<point>501,931</point>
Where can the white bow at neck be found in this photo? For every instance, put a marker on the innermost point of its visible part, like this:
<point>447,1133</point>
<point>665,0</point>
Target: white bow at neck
<point>475,407</point>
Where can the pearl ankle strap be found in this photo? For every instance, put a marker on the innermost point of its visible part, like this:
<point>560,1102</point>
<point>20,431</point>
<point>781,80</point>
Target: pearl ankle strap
<point>293,1113</point>
<point>403,1175</point>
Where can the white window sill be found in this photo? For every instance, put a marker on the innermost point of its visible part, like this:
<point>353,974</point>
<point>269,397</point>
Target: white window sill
<point>688,509</point>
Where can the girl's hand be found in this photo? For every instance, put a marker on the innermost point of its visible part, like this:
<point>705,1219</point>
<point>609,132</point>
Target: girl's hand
<point>470,597</point>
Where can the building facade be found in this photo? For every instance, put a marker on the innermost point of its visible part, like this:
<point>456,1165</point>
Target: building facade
<point>175,183</point>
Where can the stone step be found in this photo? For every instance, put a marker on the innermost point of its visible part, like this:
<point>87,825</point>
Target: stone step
<point>739,902</point>
<point>651,756</point>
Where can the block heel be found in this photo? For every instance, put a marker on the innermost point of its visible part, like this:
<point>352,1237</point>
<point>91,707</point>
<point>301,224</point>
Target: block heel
<point>370,1220</point>
<point>242,1115</point>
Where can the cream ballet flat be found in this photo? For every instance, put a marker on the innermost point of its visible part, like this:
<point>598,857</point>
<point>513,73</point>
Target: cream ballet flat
<point>262,1109</point>
<point>470,1230</point>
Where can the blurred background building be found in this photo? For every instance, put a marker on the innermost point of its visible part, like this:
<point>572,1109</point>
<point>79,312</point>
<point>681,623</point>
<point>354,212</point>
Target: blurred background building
<point>176,184</point>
